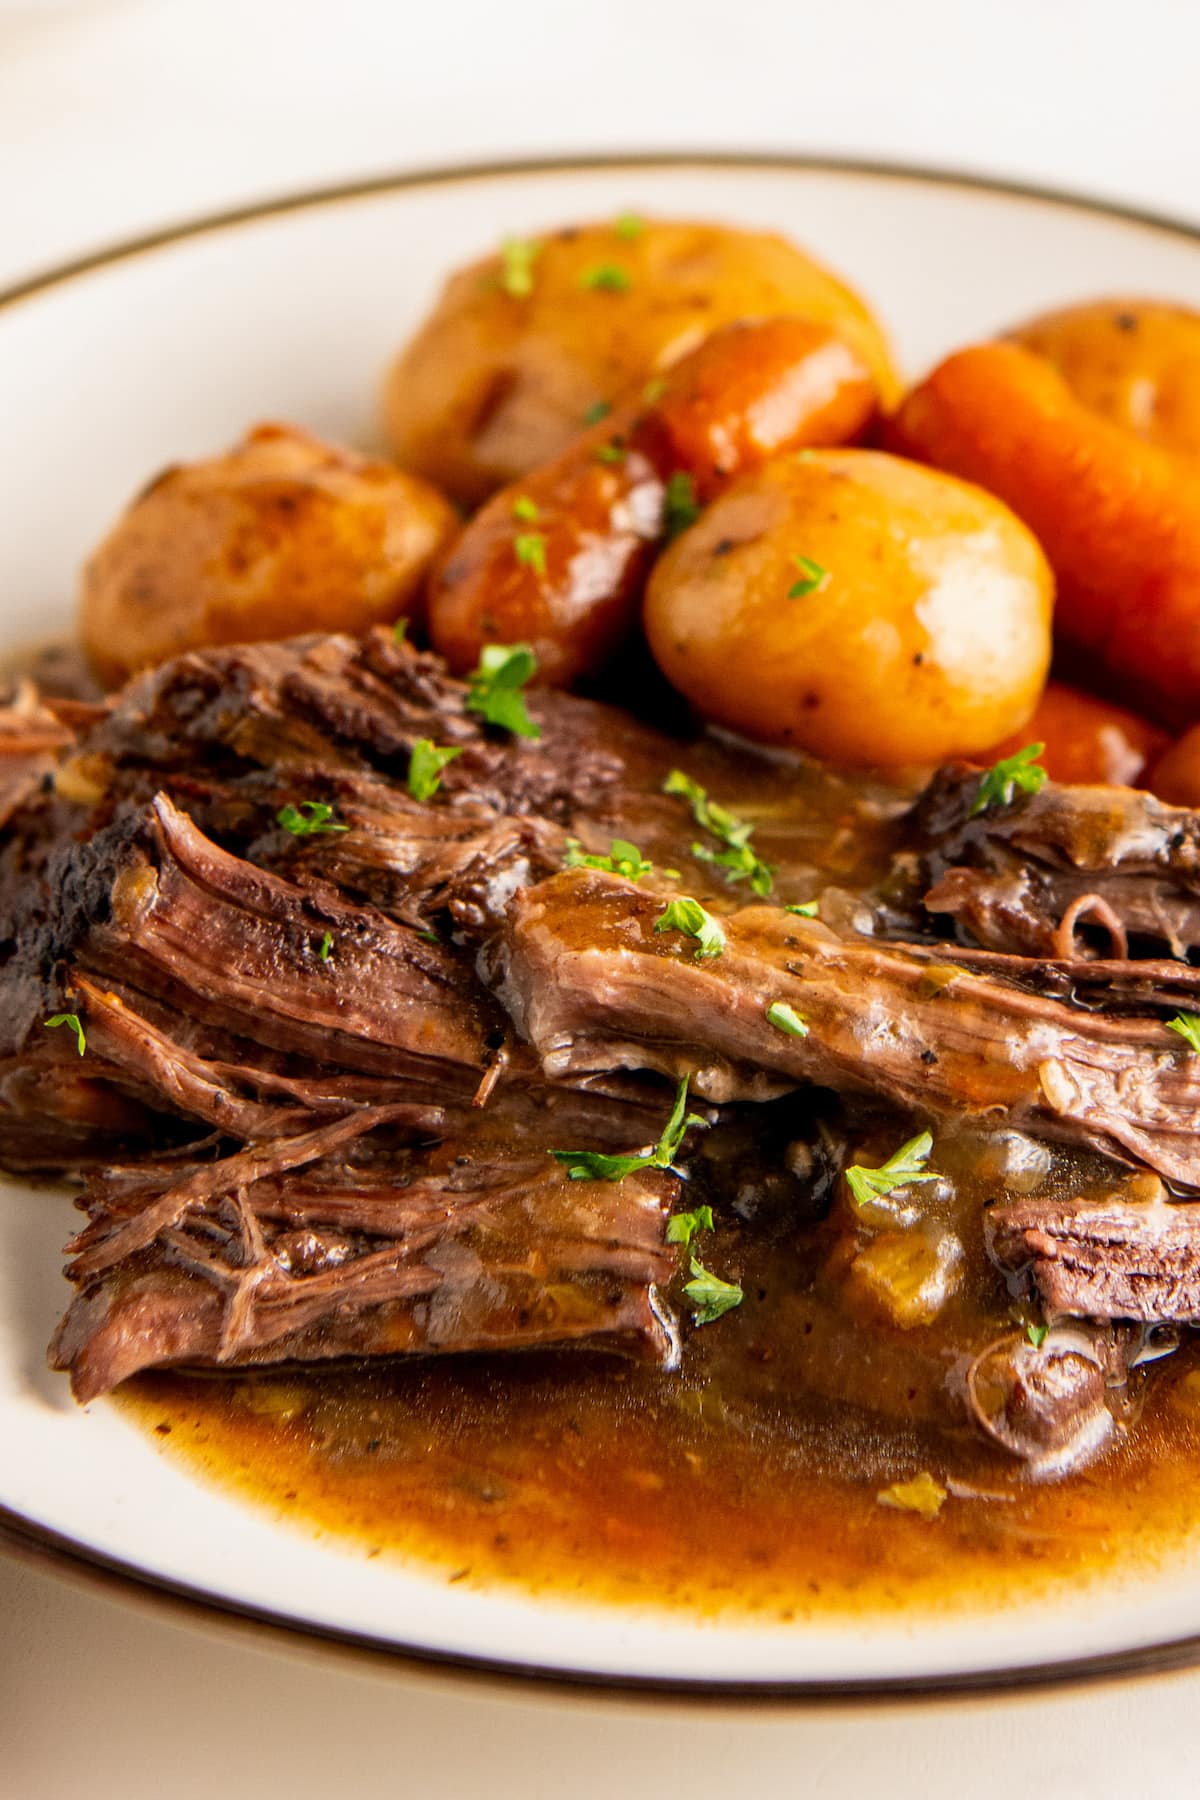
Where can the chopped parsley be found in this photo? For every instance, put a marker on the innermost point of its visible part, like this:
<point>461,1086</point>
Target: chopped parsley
<point>628,226</point>
<point>517,257</point>
<point>999,786</point>
<point>811,578</point>
<point>688,916</point>
<point>400,631</point>
<point>785,1018</point>
<point>593,1165</point>
<point>529,548</point>
<point>425,767</point>
<point>682,1227</point>
<point>613,452</point>
<point>1188,1027</point>
<point>606,278</point>
<point>624,858</point>
<point>807,911</point>
<point>653,391</point>
<point>525,508</point>
<point>326,949</point>
<point>1037,1334</point>
<point>308,819</point>
<point>905,1166</point>
<point>737,860</point>
<point>599,409</point>
<point>73,1023</point>
<point>680,506</point>
<point>709,1294</point>
<point>494,688</point>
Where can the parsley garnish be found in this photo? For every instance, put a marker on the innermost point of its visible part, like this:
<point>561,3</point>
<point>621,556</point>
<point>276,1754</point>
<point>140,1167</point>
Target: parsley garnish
<point>812,576</point>
<point>628,226</point>
<point>624,858</point>
<point>907,1165</point>
<point>517,257</point>
<point>529,548</point>
<point>709,1294</point>
<point>308,819</point>
<point>1188,1027</point>
<point>593,1165</point>
<point>613,452</point>
<point>525,508</point>
<point>682,1227</point>
<point>1037,1334</point>
<point>680,506</point>
<point>494,687</point>
<point>400,630</point>
<point>326,949</point>
<point>737,860</point>
<point>599,409</point>
<point>689,916</point>
<point>785,1018</point>
<point>999,786</point>
<point>653,390</point>
<point>606,278</point>
<point>425,767</point>
<point>73,1023</point>
<point>807,911</point>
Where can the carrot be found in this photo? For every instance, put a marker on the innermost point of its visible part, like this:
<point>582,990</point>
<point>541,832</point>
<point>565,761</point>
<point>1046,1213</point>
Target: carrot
<point>1087,740</point>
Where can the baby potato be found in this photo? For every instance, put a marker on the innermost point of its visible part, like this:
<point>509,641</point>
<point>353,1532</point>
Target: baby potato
<point>522,344</point>
<point>857,606</point>
<point>1135,362</point>
<point>282,534</point>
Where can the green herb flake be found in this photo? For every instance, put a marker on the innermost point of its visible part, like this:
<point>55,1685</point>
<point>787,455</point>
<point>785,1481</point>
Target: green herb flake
<point>907,1165</point>
<point>606,278</point>
<point>785,1018</point>
<point>811,579</point>
<point>613,453</point>
<point>326,947</point>
<point>400,631</point>
<point>73,1023</point>
<point>808,911</point>
<point>1188,1027</point>
<point>593,1165</point>
<point>425,767</point>
<point>709,1294</point>
<point>682,1227</point>
<point>599,409</point>
<point>653,391</point>
<point>529,548</point>
<point>680,506</point>
<point>525,508</point>
<point>517,257</point>
<point>1018,772</point>
<point>309,819</point>
<point>1037,1334</point>
<point>688,916</point>
<point>624,859</point>
<point>737,861</point>
<point>628,226</point>
<point>494,688</point>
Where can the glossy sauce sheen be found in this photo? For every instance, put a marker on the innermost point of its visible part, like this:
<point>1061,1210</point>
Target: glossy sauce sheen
<point>748,1481</point>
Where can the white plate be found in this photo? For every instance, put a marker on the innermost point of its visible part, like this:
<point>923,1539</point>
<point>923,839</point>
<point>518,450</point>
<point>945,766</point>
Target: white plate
<point>169,350</point>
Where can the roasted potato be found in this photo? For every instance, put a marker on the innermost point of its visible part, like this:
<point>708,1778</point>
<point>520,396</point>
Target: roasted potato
<point>280,535</point>
<point>522,344</point>
<point>1119,518</point>
<point>559,559</point>
<point>1135,362</point>
<point>856,606</point>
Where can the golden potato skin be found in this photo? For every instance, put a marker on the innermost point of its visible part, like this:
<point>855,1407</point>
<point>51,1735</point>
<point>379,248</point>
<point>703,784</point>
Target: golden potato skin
<point>494,384</point>
<point>1135,362</point>
<point>926,636</point>
<point>282,534</point>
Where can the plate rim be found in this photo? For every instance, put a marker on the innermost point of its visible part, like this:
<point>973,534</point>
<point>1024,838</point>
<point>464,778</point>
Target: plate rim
<point>80,1565</point>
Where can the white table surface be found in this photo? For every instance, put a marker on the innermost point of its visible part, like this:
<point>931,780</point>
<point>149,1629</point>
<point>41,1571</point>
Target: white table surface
<point>119,116</point>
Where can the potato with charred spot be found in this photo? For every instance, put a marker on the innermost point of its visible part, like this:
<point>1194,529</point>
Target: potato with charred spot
<point>523,345</point>
<point>856,606</point>
<point>282,534</point>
